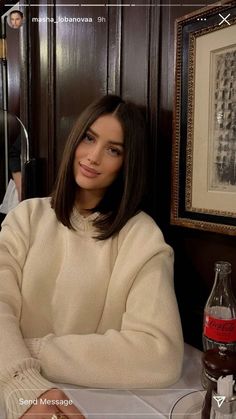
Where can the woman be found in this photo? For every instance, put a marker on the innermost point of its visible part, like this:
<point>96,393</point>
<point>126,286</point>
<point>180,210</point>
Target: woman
<point>86,290</point>
<point>16,19</point>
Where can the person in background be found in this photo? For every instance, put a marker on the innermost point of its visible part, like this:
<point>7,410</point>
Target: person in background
<point>12,195</point>
<point>16,18</point>
<point>15,164</point>
<point>86,277</point>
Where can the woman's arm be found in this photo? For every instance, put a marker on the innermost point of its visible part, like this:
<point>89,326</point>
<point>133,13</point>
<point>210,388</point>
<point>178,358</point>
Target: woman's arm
<point>146,352</point>
<point>19,373</point>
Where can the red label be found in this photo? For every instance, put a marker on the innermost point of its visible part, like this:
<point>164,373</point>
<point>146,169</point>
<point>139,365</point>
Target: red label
<point>219,329</point>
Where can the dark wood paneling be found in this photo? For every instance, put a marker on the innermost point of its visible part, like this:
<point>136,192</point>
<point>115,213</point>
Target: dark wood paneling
<point>115,16</point>
<point>153,104</point>
<point>41,94</point>
<point>81,65</point>
<point>135,54</point>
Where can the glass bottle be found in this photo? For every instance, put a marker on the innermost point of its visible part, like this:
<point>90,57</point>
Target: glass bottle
<point>216,364</point>
<point>219,324</point>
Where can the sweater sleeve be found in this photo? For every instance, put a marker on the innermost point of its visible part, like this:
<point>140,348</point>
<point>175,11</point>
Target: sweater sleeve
<point>19,373</point>
<point>146,352</point>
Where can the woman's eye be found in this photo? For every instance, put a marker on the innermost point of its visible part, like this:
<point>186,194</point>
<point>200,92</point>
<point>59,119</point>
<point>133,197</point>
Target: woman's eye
<point>114,151</point>
<point>88,138</point>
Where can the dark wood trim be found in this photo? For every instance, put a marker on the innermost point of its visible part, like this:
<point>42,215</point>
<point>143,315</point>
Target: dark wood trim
<point>153,92</point>
<point>114,50</point>
<point>154,64</point>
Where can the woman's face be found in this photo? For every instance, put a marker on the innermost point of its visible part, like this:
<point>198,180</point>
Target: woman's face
<point>16,20</point>
<point>99,156</point>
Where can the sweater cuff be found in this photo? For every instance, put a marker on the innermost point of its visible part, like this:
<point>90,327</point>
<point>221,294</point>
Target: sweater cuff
<point>35,345</point>
<point>22,383</point>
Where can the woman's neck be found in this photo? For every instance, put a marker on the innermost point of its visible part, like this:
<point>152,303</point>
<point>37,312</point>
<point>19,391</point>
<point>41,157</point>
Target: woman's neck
<point>87,200</point>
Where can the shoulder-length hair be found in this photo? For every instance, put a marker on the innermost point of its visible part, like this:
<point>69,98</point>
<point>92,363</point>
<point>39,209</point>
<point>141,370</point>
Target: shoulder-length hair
<point>123,197</point>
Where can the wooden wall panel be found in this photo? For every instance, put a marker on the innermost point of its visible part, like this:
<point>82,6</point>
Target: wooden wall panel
<point>40,104</point>
<point>114,50</point>
<point>80,66</point>
<point>135,54</point>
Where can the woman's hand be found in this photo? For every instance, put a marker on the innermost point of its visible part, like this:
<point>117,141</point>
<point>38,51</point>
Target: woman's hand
<point>51,410</point>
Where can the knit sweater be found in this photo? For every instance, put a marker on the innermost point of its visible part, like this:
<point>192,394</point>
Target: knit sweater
<point>82,311</point>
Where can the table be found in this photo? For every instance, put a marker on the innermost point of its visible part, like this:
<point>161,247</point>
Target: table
<point>139,404</point>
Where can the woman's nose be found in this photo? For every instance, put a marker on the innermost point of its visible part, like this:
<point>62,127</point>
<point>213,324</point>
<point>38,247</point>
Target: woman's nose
<point>94,155</point>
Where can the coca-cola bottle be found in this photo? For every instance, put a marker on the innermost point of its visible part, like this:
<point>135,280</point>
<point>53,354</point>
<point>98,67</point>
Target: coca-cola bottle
<point>219,324</point>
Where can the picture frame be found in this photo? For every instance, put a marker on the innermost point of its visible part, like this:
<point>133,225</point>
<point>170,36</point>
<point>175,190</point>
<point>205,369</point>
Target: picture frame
<point>204,124</point>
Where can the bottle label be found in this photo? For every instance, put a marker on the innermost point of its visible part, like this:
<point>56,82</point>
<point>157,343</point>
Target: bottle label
<point>220,330</point>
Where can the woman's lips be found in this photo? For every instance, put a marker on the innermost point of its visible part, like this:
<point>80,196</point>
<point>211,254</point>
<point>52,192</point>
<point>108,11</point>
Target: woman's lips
<point>88,171</point>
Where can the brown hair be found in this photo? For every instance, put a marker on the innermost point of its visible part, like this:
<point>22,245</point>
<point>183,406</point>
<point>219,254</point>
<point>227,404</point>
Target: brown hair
<point>18,12</point>
<point>123,197</point>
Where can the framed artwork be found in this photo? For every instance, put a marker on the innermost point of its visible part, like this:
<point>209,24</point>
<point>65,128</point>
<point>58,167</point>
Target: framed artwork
<point>204,135</point>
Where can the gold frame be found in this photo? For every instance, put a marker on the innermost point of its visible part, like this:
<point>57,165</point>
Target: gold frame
<point>183,213</point>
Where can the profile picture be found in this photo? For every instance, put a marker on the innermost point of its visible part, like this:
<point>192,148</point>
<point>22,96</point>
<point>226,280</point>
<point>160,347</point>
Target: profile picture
<point>15,19</point>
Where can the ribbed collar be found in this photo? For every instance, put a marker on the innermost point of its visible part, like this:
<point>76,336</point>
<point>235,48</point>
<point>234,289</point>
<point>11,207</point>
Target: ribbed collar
<point>82,222</point>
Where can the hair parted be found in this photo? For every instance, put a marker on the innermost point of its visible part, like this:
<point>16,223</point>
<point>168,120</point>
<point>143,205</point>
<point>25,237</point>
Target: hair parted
<point>123,197</point>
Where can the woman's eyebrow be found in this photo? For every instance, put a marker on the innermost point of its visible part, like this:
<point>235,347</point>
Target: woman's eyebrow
<point>116,143</point>
<point>110,141</point>
<point>93,132</point>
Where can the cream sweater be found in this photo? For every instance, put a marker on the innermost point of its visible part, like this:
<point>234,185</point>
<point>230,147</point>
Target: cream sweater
<point>85,312</point>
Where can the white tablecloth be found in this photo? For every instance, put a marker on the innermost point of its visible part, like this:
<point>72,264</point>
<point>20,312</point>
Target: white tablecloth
<point>138,404</point>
